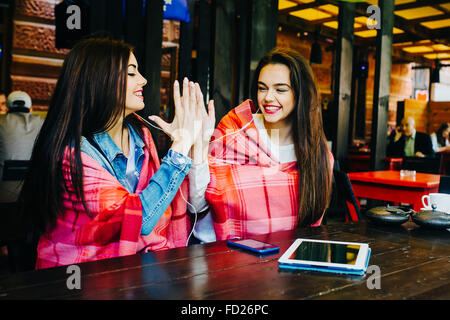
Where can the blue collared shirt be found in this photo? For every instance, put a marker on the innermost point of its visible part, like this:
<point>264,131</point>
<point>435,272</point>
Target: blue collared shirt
<point>163,185</point>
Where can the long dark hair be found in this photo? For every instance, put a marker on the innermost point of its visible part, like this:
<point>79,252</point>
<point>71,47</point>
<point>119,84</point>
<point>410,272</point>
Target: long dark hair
<point>439,132</point>
<point>89,97</point>
<point>309,138</point>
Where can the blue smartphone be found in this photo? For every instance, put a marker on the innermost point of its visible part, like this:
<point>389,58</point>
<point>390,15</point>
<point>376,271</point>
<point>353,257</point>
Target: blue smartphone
<point>253,246</point>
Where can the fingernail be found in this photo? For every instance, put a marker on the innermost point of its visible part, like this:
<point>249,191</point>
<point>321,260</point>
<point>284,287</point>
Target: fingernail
<point>176,83</point>
<point>151,118</point>
<point>185,80</point>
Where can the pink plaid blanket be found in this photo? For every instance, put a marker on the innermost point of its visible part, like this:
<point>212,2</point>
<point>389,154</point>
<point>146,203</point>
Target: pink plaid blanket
<point>114,227</point>
<point>250,191</point>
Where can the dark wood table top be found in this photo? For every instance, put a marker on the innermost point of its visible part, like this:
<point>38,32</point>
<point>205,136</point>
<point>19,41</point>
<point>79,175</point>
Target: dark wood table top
<point>414,264</point>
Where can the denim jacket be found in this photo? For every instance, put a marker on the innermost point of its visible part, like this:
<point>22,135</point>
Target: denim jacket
<point>163,185</point>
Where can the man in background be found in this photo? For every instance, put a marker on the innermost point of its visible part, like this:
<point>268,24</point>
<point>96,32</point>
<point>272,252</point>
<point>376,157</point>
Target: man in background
<point>3,108</point>
<point>410,143</point>
<point>18,131</point>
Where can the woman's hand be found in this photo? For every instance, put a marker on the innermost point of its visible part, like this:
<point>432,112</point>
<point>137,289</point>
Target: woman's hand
<point>186,126</point>
<point>201,145</point>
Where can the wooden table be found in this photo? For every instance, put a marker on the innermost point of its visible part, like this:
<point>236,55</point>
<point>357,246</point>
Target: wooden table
<point>390,186</point>
<point>414,264</point>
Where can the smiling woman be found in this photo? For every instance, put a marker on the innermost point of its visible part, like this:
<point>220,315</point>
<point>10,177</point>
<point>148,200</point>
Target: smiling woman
<point>135,83</point>
<point>269,171</point>
<point>96,188</point>
<point>276,97</point>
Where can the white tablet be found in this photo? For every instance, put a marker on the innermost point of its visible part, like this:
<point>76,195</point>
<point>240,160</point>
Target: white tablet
<point>325,254</point>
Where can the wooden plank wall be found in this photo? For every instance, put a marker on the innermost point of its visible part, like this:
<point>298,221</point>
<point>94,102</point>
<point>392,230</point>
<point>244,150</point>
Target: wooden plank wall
<point>323,71</point>
<point>401,76</point>
<point>171,39</point>
<point>401,88</point>
<point>428,115</point>
<point>419,111</point>
<point>439,112</point>
<point>36,62</point>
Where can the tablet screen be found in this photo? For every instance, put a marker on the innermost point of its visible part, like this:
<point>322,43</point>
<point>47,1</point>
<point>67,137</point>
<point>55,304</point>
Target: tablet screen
<point>326,252</point>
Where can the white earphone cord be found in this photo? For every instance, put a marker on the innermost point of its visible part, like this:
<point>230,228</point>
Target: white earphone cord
<point>181,192</point>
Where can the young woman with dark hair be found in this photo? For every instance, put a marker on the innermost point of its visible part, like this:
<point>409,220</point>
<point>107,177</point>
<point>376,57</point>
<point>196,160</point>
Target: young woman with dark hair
<point>441,138</point>
<point>96,188</point>
<point>269,171</point>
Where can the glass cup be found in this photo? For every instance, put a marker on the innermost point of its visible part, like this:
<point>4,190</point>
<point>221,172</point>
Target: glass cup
<point>407,173</point>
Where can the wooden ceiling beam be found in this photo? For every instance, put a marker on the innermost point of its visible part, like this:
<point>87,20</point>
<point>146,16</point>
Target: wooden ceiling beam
<point>415,44</point>
<point>321,21</point>
<point>419,20</point>
<point>404,37</point>
<point>441,8</point>
<point>302,7</point>
<point>398,55</point>
<point>303,25</point>
<point>413,30</point>
<point>299,25</point>
<point>431,18</point>
<point>416,29</point>
<point>420,3</point>
<point>431,52</point>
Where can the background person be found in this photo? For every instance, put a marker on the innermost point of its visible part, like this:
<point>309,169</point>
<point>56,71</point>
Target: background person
<point>18,131</point>
<point>410,143</point>
<point>440,139</point>
<point>3,107</point>
<point>269,171</point>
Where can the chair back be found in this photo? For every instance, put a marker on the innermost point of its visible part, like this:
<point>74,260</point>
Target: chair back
<point>21,241</point>
<point>22,251</point>
<point>15,170</point>
<point>444,184</point>
<point>343,199</point>
<point>21,244</point>
<point>424,165</point>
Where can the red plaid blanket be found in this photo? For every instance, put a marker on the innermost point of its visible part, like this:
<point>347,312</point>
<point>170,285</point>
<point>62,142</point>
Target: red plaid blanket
<point>250,191</point>
<point>116,218</point>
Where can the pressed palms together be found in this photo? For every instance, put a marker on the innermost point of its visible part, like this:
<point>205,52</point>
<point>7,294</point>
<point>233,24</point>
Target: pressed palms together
<point>192,125</point>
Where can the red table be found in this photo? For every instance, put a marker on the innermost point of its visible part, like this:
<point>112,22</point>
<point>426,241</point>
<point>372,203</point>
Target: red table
<point>389,186</point>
